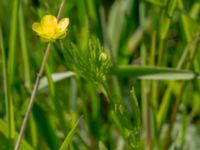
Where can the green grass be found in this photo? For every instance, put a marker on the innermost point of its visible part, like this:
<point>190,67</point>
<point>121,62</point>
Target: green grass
<point>144,94</point>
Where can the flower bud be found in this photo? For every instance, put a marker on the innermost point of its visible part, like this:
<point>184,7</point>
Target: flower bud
<point>103,56</point>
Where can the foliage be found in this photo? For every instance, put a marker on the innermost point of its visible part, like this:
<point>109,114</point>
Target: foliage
<point>130,67</point>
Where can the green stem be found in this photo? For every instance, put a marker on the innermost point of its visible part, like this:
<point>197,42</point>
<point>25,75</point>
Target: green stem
<point>5,80</point>
<point>11,68</point>
<point>27,75</point>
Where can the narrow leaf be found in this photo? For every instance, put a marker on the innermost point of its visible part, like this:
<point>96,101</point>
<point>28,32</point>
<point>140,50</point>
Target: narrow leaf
<point>5,132</point>
<point>70,135</point>
<point>55,77</point>
<point>154,73</point>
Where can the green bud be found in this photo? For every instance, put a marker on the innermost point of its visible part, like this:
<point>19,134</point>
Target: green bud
<point>103,56</point>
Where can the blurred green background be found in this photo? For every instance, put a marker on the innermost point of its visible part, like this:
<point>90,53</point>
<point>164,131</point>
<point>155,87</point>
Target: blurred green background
<point>144,96</point>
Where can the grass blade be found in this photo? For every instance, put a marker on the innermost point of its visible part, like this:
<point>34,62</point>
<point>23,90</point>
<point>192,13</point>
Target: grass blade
<point>55,77</point>
<point>153,73</point>
<point>102,146</point>
<point>4,130</point>
<point>70,135</point>
<point>46,130</point>
<point>12,40</point>
<point>27,75</point>
<point>5,81</point>
<point>11,66</point>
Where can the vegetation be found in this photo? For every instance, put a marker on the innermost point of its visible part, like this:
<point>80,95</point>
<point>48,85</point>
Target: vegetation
<point>125,77</point>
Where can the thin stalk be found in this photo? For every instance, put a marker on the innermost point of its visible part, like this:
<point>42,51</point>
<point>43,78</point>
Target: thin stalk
<point>152,63</point>
<point>103,28</point>
<point>22,32</point>
<point>11,67</point>
<point>35,89</point>
<point>164,106</point>
<point>32,99</point>
<point>191,58</point>
<point>165,101</point>
<point>160,52</point>
<point>154,93</point>
<point>145,89</point>
<point>5,80</point>
<point>173,115</point>
<point>146,107</point>
<point>153,49</point>
<point>27,74</point>
<point>184,22</point>
<point>12,41</point>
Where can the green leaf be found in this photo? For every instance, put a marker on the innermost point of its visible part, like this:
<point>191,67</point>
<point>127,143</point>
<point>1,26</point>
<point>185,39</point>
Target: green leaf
<point>55,77</point>
<point>45,128</point>
<point>171,7</point>
<point>135,108</point>
<point>102,146</point>
<point>154,73</point>
<point>4,131</point>
<point>70,135</point>
<point>123,116</point>
<point>156,2</point>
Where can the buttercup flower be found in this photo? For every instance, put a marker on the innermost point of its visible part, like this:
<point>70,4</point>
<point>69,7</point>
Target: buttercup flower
<point>49,29</point>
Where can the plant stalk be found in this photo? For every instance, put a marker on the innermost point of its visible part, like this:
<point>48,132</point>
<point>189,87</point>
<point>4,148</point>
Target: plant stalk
<point>35,89</point>
<point>191,58</point>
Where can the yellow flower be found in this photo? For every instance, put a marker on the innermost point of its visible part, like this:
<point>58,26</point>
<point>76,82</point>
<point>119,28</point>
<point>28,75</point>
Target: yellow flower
<point>49,29</point>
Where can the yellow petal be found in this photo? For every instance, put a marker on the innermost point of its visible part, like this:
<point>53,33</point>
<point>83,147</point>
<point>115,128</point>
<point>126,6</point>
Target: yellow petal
<point>49,30</point>
<point>62,36</point>
<point>46,36</point>
<point>48,20</point>
<point>63,23</point>
<point>37,28</point>
<point>58,34</point>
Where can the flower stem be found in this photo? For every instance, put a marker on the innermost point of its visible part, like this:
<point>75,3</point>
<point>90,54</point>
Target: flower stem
<point>35,89</point>
<point>32,99</point>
